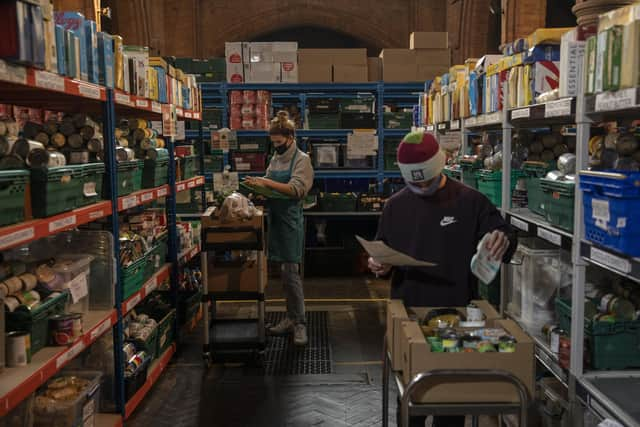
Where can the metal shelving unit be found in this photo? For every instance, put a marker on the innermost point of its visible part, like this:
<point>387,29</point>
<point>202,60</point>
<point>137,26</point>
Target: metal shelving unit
<point>40,89</point>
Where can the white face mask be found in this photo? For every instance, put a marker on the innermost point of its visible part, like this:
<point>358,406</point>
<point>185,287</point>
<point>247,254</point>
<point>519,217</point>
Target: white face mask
<point>425,191</point>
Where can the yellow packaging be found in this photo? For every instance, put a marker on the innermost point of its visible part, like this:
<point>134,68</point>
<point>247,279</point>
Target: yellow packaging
<point>152,78</point>
<point>622,16</point>
<point>546,36</point>
<point>630,69</point>
<point>527,96</point>
<point>179,74</point>
<point>514,74</point>
<point>158,61</point>
<point>118,62</point>
<point>493,69</point>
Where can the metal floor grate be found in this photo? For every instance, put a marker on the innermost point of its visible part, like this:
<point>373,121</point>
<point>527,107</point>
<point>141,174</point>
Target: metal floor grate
<point>282,357</point>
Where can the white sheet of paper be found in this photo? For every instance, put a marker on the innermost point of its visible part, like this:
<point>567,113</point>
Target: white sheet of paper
<point>385,255</point>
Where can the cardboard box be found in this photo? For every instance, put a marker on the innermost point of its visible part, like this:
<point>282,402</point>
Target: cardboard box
<point>397,56</point>
<point>238,277</point>
<point>260,52</point>
<point>91,35</point>
<point>397,314</point>
<point>219,235</point>
<point>572,53</point>
<point>284,52</point>
<point>333,56</point>
<point>350,73</point>
<point>235,73</point>
<point>433,56</point>
<point>315,72</point>
<point>429,72</point>
<point>314,56</point>
<point>264,72</point>
<point>429,40</point>
<point>233,52</point>
<point>374,69</point>
<point>289,72</point>
<point>417,357</point>
<point>621,16</point>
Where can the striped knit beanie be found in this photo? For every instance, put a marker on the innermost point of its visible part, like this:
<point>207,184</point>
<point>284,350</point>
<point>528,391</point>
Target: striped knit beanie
<point>420,157</point>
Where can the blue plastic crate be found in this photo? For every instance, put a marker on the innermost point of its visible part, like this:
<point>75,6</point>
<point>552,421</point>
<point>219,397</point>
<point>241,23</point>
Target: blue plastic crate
<point>611,202</point>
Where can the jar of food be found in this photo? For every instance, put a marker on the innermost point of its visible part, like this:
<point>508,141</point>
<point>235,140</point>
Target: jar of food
<point>507,344</point>
<point>486,347</point>
<point>471,341</point>
<point>450,341</point>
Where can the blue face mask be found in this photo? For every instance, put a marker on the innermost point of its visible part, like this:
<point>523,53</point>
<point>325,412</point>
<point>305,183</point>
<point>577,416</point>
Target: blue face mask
<point>425,191</point>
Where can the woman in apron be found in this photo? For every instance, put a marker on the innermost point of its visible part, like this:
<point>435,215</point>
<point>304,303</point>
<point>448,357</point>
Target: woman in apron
<point>290,173</point>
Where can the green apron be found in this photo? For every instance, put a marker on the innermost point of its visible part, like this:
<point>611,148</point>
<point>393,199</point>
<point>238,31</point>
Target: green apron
<point>286,223</point>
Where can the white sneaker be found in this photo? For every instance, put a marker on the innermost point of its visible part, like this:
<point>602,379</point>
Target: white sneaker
<point>285,326</point>
<point>300,335</point>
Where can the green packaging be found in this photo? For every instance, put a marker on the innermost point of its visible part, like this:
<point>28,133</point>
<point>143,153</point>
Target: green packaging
<point>611,80</point>
<point>590,63</point>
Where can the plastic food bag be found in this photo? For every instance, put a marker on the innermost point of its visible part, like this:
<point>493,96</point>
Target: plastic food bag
<point>236,207</point>
<point>482,266</point>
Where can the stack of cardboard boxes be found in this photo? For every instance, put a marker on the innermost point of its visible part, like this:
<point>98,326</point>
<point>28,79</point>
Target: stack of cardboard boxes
<point>333,65</point>
<point>428,56</point>
<point>267,62</point>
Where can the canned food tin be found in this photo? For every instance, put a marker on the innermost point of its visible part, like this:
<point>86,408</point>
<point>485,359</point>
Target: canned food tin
<point>450,341</point>
<point>474,314</point>
<point>56,159</point>
<point>77,325</point>
<point>4,290</point>
<point>486,347</point>
<point>507,344</point>
<point>96,144</point>
<point>124,154</point>
<point>129,351</point>
<point>157,153</point>
<point>61,329</point>
<point>29,298</point>
<point>471,342</point>
<point>79,157</point>
<point>436,344</point>
<point>14,284</point>
<point>18,348</point>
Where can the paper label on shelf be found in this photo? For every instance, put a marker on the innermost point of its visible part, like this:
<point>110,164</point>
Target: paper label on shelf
<point>188,115</point>
<point>146,197</point>
<point>327,155</point>
<point>78,288</point>
<point>549,236</point>
<point>558,108</point>
<point>123,98</point>
<point>243,166</point>
<point>89,189</point>
<point>47,80</point>
<point>521,113</point>
<point>62,223</point>
<point>180,187</point>
<point>600,212</point>
<point>96,214</point>
<point>151,286</point>
<point>89,91</point>
<point>250,147</point>
<point>181,134</point>
<point>129,202</point>
<point>359,146</point>
<point>13,73</point>
<point>179,111</point>
<point>454,125</point>
<point>132,302</point>
<point>156,107</point>
<point>493,118</point>
<point>101,329</point>
<point>519,224</point>
<point>610,260</point>
<point>442,126</point>
<point>17,237</point>
<point>70,354</point>
<point>611,101</point>
<point>430,128</point>
<point>162,192</point>
<point>142,103</point>
<point>191,184</point>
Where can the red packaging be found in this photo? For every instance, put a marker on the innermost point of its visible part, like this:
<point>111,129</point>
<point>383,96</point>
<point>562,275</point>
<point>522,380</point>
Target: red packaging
<point>235,122</point>
<point>36,115</point>
<point>245,162</point>
<point>235,97</point>
<point>248,110</point>
<point>235,110</point>
<point>6,111</point>
<point>262,109</point>
<point>248,122</point>
<point>184,151</point>
<point>263,96</point>
<point>262,123</point>
<point>249,97</point>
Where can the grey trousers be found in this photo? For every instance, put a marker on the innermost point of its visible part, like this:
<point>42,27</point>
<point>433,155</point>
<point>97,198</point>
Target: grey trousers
<point>293,292</point>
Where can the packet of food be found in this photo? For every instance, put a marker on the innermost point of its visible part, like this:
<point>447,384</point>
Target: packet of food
<point>483,266</point>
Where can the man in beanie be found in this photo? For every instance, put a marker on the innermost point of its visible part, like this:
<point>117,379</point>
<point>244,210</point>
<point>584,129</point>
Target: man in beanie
<point>438,220</point>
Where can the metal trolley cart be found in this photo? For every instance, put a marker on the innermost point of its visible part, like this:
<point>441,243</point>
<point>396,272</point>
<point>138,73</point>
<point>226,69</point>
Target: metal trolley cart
<point>240,280</point>
<point>426,380</point>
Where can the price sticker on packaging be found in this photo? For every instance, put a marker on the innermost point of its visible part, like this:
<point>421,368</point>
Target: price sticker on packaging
<point>494,118</point>
<point>146,197</point>
<point>455,125</point>
<point>89,91</point>
<point>17,237</point>
<point>101,329</point>
<point>123,98</point>
<point>130,202</point>
<point>156,107</point>
<point>612,101</point>
<point>78,288</point>
<point>47,80</point>
<point>558,108</point>
<point>70,354</point>
<point>132,302</point>
<point>162,192</point>
<point>142,103</point>
<point>549,236</point>
<point>521,113</point>
<point>188,115</point>
<point>519,224</point>
<point>62,223</point>
<point>610,260</point>
<point>13,73</point>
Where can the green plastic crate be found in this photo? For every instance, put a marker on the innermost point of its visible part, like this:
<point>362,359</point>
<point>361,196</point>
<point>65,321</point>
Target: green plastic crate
<point>56,190</point>
<point>36,321</point>
<point>214,163</point>
<point>133,277</point>
<point>357,105</point>
<point>469,172</point>
<point>558,197</point>
<point>150,345</point>
<point>155,173</point>
<point>188,166</point>
<point>333,202</point>
<point>398,120</point>
<point>452,173</point>
<point>391,155</point>
<point>610,345</point>
<point>323,121</point>
<point>533,172</point>
<point>490,184</point>
<point>92,188</point>
<point>156,257</point>
<point>13,184</point>
<point>129,176</point>
<point>165,332</point>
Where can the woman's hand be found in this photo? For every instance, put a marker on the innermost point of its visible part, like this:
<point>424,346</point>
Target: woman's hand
<point>377,268</point>
<point>497,244</point>
<point>257,181</point>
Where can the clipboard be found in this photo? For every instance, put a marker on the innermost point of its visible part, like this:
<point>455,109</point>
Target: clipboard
<point>263,191</point>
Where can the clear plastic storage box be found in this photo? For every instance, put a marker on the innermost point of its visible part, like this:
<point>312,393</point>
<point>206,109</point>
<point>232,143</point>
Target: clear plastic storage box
<point>75,270</point>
